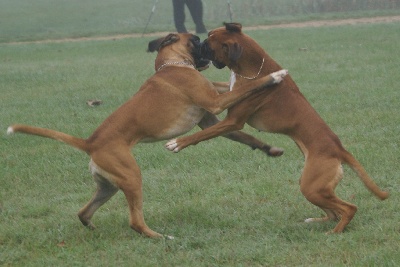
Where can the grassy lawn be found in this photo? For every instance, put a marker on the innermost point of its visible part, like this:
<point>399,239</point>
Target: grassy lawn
<point>225,204</point>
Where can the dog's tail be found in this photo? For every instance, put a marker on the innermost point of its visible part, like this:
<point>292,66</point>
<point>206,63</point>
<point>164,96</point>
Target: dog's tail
<point>359,169</point>
<point>76,142</point>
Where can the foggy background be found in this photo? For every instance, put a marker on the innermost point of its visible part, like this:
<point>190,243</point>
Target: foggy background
<point>25,20</point>
<point>254,12</point>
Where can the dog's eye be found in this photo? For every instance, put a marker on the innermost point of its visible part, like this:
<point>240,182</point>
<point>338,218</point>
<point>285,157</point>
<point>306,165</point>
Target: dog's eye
<point>196,39</point>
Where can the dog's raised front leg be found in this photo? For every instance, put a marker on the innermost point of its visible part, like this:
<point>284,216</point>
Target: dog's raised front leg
<point>254,143</point>
<point>216,103</point>
<point>221,87</point>
<point>234,121</point>
<point>241,137</point>
<point>229,124</point>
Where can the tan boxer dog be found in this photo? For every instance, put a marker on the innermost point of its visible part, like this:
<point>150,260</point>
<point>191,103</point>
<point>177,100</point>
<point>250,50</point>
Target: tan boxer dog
<point>283,109</point>
<point>168,104</point>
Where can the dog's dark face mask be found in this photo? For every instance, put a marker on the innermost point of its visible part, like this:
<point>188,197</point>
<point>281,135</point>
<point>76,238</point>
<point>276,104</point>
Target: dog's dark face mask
<point>208,53</point>
<point>193,42</point>
<point>201,63</point>
<point>222,46</point>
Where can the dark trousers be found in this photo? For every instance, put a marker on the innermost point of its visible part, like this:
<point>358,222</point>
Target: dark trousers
<point>196,11</point>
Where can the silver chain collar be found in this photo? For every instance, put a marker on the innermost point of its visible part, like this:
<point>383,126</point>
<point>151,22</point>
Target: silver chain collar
<point>183,63</point>
<point>252,78</point>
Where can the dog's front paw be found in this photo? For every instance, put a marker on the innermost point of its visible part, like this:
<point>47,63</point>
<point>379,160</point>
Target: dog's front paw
<point>172,145</point>
<point>278,75</point>
<point>275,152</point>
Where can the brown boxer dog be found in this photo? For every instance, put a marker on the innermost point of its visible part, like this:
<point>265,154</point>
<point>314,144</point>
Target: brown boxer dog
<point>283,109</point>
<point>168,104</point>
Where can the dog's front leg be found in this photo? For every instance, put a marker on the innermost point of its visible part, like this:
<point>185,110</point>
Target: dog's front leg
<point>216,103</point>
<point>241,137</point>
<point>233,122</point>
<point>221,87</point>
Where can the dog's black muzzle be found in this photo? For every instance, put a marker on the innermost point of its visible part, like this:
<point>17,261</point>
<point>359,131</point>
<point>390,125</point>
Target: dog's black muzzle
<point>207,53</point>
<point>200,62</point>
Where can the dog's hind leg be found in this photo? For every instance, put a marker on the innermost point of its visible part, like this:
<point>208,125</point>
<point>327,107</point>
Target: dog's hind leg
<point>317,184</point>
<point>105,190</point>
<point>132,188</point>
<point>120,164</point>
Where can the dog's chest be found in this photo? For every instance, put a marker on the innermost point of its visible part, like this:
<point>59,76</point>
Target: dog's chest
<point>184,122</point>
<point>232,80</point>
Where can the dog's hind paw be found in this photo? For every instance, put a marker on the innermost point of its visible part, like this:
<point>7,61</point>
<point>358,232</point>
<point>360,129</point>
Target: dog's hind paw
<point>172,145</point>
<point>309,220</point>
<point>169,237</point>
<point>275,152</point>
<point>10,130</point>
<point>323,219</point>
<point>278,75</point>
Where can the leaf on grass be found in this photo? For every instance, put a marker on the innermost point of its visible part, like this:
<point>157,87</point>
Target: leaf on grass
<point>94,103</point>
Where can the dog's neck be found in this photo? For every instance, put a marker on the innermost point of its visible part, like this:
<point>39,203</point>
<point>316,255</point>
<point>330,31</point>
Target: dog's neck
<point>234,74</point>
<point>184,63</point>
<point>252,77</point>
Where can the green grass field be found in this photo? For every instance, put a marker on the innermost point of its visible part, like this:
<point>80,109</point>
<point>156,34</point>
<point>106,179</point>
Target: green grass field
<point>225,204</point>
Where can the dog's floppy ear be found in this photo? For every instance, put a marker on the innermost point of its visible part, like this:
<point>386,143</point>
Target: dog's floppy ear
<point>234,51</point>
<point>155,45</point>
<point>233,27</point>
